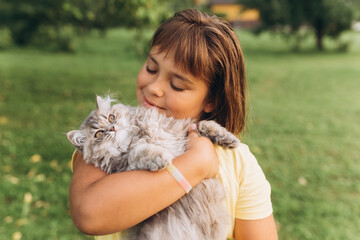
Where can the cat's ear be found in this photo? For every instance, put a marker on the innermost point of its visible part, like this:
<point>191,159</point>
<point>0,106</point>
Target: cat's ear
<point>77,138</point>
<point>103,104</point>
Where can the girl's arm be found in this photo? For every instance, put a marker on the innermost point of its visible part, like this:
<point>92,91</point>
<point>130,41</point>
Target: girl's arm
<point>103,204</point>
<point>256,229</point>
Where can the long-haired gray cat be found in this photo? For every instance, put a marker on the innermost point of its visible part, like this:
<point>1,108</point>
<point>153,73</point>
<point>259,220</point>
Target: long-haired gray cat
<point>119,138</point>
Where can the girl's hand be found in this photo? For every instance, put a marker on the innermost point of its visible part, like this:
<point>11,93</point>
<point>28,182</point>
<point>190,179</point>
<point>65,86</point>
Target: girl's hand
<point>204,152</point>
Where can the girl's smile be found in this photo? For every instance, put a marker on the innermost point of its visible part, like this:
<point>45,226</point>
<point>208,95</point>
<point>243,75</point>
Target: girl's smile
<point>149,104</point>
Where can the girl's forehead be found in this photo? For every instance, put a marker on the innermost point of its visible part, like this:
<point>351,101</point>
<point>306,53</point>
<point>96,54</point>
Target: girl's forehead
<point>167,54</point>
<point>165,57</point>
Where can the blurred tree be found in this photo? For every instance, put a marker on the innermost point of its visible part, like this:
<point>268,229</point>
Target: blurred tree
<point>104,14</point>
<point>356,4</point>
<point>26,18</point>
<point>325,17</point>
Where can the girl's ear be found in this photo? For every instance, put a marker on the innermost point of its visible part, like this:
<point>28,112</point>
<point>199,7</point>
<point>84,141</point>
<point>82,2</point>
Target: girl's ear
<point>77,138</point>
<point>209,107</point>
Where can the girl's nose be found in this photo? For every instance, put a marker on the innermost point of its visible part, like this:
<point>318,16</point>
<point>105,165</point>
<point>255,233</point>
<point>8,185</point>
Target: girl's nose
<point>156,87</point>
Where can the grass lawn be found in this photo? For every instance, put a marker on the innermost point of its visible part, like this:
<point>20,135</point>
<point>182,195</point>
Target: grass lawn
<point>302,127</point>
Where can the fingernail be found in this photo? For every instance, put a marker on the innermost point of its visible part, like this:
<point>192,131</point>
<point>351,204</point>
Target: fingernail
<point>192,127</point>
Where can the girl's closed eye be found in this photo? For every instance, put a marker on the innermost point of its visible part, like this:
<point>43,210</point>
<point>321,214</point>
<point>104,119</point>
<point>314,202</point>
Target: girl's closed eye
<point>150,70</point>
<point>176,87</point>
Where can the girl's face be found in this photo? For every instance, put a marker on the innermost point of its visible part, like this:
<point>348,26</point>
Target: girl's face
<point>163,85</point>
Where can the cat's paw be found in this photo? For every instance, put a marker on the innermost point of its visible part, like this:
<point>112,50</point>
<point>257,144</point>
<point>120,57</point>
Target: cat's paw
<point>157,162</point>
<point>218,134</point>
<point>150,157</point>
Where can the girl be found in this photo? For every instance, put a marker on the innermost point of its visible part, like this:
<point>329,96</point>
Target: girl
<point>195,68</point>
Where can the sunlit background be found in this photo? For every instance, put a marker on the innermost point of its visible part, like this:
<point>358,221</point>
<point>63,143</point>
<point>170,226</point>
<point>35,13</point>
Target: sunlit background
<point>303,67</point>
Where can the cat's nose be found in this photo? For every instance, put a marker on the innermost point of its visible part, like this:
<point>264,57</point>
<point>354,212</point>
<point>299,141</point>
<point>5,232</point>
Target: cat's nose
<point>112,129</point>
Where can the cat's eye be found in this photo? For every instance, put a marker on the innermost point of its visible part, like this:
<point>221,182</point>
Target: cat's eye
<point>99,134</point>
<point>111,118</point>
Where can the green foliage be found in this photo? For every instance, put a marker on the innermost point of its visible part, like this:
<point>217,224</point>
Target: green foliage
<point>54,39</point>
<point>324,17</point>
<point>5,38</point>
<point>356,8</point>
<point>48,21</point>
<point>23,18</point>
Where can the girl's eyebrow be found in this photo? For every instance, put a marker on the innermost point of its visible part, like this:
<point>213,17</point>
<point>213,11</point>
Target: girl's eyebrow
<point>152,59</point>
<point>182,78</point>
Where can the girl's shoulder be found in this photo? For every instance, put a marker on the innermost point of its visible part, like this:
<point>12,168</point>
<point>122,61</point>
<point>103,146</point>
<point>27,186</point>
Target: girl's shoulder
<point>240,156</point>
<point>238,164</point>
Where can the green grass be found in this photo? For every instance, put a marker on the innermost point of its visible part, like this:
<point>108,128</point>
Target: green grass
<point>303,129</point>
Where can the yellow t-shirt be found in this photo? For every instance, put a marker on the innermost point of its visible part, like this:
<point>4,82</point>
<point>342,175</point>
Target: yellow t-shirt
<point>248,191</point>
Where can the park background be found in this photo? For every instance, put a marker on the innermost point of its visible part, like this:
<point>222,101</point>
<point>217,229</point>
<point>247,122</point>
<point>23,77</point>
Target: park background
<point>55,56</point>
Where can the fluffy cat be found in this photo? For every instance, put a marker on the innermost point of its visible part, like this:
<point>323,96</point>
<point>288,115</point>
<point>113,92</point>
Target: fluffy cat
<point>119,138</point>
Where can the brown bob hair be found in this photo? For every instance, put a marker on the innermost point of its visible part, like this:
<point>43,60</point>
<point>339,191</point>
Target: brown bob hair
<point>208,48</point>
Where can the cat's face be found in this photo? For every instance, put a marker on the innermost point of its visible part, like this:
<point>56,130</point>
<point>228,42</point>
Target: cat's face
<point>105,131</point>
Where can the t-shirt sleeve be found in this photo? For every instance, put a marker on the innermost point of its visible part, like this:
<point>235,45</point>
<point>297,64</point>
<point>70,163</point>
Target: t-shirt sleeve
<point>254,201</point>
<point>75,153</point>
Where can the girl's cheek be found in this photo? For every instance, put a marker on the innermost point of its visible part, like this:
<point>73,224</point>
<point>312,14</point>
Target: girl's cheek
<point>142,73</point>
<point>143,79</point>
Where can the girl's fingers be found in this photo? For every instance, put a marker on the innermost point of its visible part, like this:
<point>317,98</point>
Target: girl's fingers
<point>193,127</point>
<point>192,132</point>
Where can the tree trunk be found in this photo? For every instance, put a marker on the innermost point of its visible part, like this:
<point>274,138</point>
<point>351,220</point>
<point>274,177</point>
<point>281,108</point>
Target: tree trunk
<point>319,34</point>
<point>319,40</point>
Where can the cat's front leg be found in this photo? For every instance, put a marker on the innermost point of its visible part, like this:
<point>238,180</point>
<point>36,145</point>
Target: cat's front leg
<point>217,134</point>
<point>147,156</point>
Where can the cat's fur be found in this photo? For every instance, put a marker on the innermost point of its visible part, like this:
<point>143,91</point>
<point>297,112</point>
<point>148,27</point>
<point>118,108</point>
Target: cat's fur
<point>142,138</point>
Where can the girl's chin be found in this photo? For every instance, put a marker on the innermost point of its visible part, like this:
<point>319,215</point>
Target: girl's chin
<point>160,110</point>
